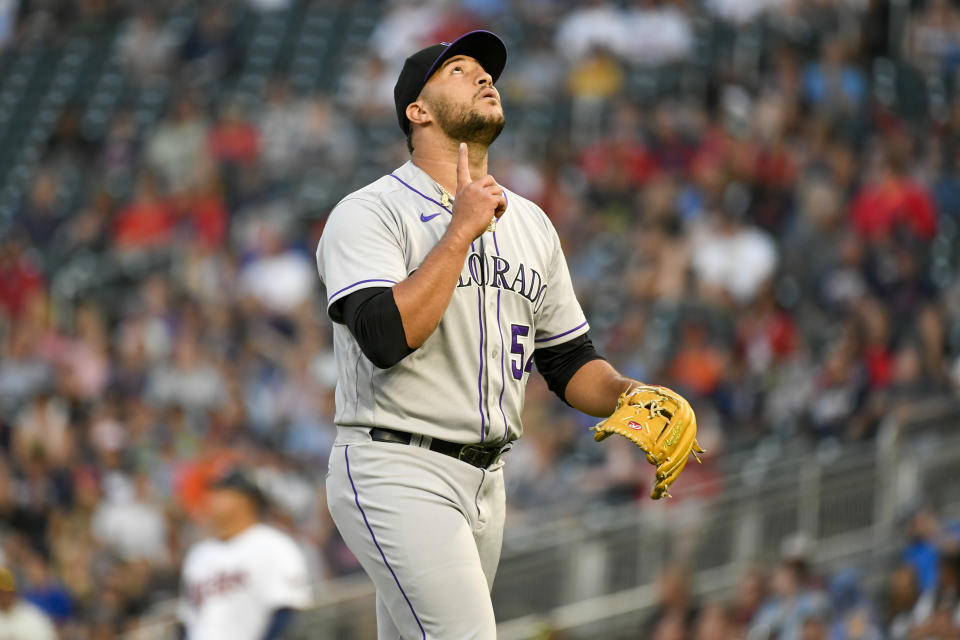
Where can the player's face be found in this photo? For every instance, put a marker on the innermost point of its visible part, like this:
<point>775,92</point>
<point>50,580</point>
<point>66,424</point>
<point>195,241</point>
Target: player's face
<point>225,509</point>
<point>463,101</point>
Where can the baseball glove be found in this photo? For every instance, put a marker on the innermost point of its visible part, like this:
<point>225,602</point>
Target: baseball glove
<point>662,424</point>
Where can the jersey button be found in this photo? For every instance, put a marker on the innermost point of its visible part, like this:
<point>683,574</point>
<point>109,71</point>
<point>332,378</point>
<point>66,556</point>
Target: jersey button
<point>494,354</point>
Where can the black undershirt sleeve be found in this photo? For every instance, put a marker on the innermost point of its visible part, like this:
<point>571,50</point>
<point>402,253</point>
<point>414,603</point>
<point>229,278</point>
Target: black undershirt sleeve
<point>558,364</point>
<point>374,320</point>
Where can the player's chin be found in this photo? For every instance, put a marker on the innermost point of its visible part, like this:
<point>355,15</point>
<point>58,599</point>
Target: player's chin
<point>489,105</point>
<point>492,113</point>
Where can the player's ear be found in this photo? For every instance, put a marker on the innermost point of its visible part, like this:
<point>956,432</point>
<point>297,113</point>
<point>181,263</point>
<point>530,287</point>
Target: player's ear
<point>417,113</point>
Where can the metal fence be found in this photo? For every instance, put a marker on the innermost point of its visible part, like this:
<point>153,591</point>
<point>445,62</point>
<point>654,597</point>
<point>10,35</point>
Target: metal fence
<point>593,575</point>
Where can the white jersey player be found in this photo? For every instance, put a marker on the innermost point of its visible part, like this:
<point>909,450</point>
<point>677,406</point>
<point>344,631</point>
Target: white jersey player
<point>245,582</point>
<point>445,288</point>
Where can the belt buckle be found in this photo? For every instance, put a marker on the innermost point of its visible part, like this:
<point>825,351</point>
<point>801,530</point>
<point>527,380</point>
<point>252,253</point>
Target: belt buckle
<point>473,454</point>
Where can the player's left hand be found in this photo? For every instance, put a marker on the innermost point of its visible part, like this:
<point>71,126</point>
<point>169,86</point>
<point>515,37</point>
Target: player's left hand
<point>661,422</point>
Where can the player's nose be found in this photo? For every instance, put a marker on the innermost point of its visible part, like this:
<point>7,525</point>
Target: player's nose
<point>484,78</point>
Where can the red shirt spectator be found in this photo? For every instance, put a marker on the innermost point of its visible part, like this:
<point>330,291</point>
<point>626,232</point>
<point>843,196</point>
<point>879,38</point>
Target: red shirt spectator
<point>234,139</point>
<point>204,212</point>
<point>20,280</point>
<point>143,225</point>
<point>893,200</point>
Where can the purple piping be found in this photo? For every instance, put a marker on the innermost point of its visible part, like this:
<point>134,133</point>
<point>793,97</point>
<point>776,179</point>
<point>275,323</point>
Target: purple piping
<point>423,195</point>
<point>503,380</point>
<point>560,335</point>
<point>483,422</point>
<point>351,286</point>
<point>356,498</point>
<point>420,193</point>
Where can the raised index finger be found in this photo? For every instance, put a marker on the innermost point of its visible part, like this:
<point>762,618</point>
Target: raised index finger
<point>463,167</point>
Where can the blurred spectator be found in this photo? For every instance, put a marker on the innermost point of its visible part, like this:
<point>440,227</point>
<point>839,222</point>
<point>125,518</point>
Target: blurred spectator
<point>404,29</point>
<point>280,123</point>
<point>750,596</point>
<point>933,39</point>
<point>177,149</point>
<point>675,611</point>
<point>233,139</point>
<point>121,147</point>
<point>892,201</point>
<point>42,432</point>
<point>368,89</point>
<point>42,589</point>
<point>793,603</point>
<point>279,278</point>
<point>597,24</point>
<point>938,610</point>
<point>902,595</point>
<point>731,258</point>
<point>922,552</point>
<point>147,222</point>
<point>19,618</point>
<point>698,366</point>
<point>41,214</point>
<point>659,32</point>
<point>188,381</point>
<point>8,13</point>
<point>713,623</point>
<point>833,85</point>
<point>210,49</point>
<point>145,48</point>
<point>20,278</point>
<point>743,11</point>
<point>129,522</point>
<point>852,612</point>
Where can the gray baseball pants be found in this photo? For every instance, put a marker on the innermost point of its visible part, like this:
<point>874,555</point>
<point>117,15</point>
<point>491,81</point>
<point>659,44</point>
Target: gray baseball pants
<point>427,529</point>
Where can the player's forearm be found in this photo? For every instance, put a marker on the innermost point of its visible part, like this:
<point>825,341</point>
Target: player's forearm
<point>595,388</point>
<point>423,297</point>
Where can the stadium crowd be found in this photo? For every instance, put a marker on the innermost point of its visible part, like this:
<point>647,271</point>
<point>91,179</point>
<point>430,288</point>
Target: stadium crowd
<point>778,241</point>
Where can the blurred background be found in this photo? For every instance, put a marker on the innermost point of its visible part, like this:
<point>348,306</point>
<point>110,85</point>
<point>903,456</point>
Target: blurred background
<point>760,204</point>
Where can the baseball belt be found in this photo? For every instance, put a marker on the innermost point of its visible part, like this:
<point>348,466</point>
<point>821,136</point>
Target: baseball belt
<point>473,454</point>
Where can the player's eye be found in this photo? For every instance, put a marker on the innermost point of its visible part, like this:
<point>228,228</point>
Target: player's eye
<point>457,68</point>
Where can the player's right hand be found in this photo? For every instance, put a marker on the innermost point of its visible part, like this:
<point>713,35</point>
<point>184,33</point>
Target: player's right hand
<point>476,202</point>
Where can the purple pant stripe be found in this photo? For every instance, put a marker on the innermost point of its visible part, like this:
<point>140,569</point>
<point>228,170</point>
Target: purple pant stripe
<point>356,498</point>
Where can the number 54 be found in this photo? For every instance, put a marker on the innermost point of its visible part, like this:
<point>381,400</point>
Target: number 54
<point>518,331</point>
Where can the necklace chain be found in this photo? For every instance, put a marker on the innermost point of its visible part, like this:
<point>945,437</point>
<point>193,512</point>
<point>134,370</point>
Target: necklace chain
<point>446,200</point>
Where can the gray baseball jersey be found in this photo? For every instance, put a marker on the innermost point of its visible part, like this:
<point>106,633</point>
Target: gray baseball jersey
<point>466,382</point>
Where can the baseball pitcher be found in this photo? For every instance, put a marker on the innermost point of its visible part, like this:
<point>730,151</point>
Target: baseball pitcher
<point>445,289</point>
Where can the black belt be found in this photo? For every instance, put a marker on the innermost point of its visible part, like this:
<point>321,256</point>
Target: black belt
<point>473,454</point>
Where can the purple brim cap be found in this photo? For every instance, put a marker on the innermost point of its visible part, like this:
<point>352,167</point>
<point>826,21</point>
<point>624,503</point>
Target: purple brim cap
<point>484,46</point>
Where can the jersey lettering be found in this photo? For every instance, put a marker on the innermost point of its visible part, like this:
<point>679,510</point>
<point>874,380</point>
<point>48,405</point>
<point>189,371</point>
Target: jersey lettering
<point>495,272</point>
<point>216,585</point>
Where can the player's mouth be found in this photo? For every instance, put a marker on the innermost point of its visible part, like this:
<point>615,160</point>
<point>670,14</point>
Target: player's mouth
<point>489,92</point>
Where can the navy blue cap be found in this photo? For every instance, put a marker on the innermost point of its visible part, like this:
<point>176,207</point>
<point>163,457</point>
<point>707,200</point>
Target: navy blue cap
<point>239,480</point>
<point>485,47</point>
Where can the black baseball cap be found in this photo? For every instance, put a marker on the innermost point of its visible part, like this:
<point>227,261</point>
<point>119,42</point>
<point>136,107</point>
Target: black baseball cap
<point>485,47</point>
<point>239,480</point>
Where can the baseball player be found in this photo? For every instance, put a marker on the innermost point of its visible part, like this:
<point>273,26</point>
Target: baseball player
<point>445,288</point>
<point>246,582</point>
